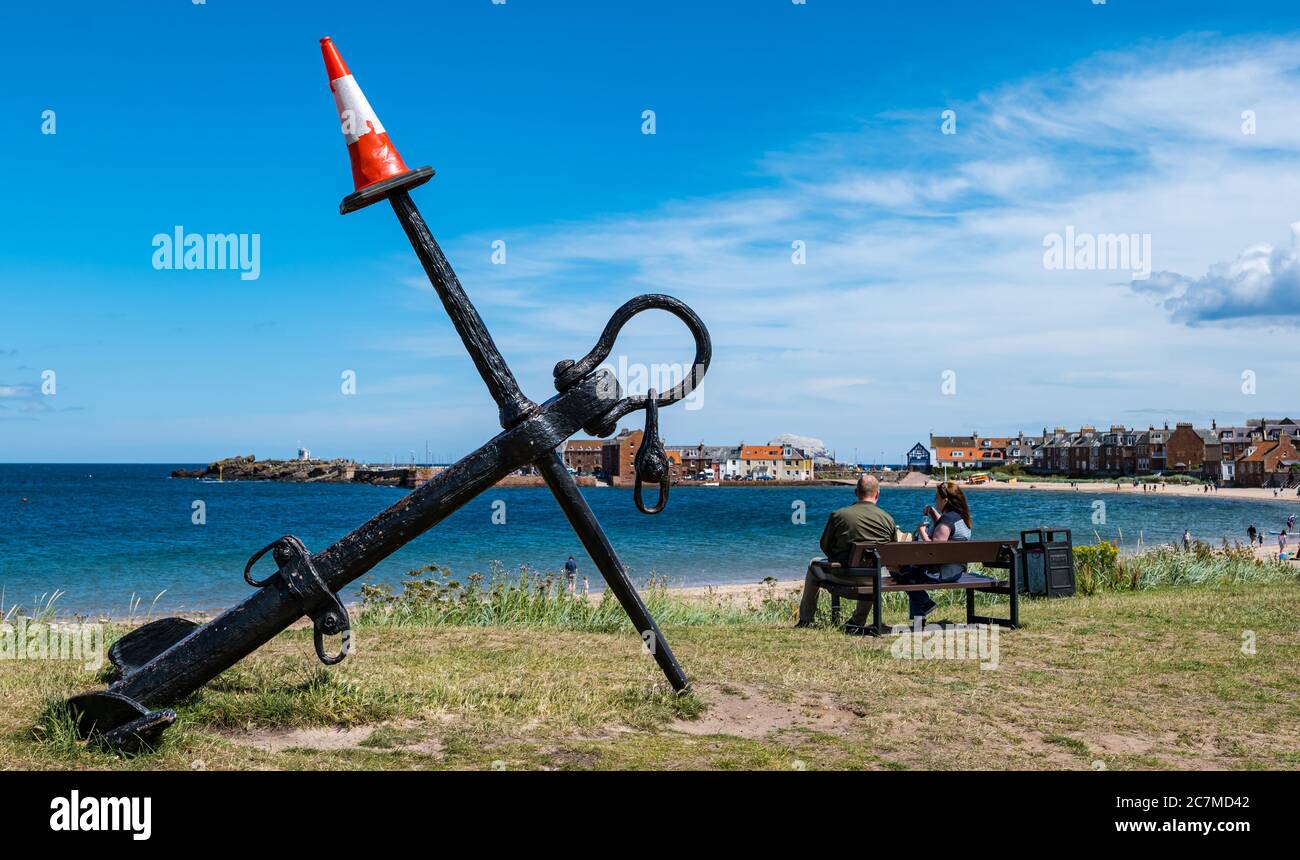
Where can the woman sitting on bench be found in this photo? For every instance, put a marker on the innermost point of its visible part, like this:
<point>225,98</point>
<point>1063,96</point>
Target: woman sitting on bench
<point>947,519</point>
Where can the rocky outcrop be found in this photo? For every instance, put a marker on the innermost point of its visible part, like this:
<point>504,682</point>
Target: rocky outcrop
<point>249,468</point>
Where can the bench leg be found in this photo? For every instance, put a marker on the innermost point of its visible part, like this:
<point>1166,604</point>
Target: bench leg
<point>877,604</point>
<point>835,610</point>
<point>1012,590</point>
<point>971,618</point>
<point>1015,589</point>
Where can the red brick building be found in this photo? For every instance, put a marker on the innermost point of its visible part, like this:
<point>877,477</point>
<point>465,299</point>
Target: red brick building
<point>1267,463</point>
<point>584,455</point>
<point>1119,451</point>
<point>618,455</point>
<point>1184,449</point>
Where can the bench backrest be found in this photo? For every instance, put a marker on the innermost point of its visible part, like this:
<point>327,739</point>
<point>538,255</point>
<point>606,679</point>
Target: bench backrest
<point>894,555</point>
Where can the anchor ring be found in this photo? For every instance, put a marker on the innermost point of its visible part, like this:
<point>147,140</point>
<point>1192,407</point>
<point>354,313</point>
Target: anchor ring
<point>569,372</point>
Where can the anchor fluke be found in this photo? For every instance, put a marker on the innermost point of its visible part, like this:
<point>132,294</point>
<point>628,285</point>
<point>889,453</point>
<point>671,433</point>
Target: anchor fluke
<point>116,722</point>
<point>141,645</point>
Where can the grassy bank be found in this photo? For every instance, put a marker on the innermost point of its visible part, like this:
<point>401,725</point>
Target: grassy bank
<point>1157,676</point>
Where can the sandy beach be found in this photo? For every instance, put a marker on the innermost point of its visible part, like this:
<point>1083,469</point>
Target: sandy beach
<point>1096,487</point>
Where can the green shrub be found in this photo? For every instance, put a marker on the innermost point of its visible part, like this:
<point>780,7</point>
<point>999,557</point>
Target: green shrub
<point>1099,567</point>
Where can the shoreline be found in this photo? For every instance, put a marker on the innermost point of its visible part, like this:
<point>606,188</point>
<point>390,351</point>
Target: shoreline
<point>1254,494</point>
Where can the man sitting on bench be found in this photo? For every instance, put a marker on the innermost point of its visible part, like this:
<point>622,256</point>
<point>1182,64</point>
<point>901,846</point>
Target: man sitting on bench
<point>861,521</point>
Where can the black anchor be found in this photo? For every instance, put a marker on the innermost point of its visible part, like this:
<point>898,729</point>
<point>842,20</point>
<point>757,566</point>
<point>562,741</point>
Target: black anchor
<point>163,662</point>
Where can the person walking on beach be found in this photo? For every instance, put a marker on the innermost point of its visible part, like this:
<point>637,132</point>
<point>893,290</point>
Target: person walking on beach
<point>571,575</point>
<point>1250,534</point>
<point>1281,543</point>
<point>1187,541</point>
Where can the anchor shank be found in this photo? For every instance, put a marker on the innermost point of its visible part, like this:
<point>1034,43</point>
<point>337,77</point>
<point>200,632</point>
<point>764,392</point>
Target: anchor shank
<point>588,529</point>
<point>514,406</point>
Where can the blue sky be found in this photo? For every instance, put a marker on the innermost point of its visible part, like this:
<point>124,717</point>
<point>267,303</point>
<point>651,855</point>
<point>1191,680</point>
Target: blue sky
<point>775,123</point>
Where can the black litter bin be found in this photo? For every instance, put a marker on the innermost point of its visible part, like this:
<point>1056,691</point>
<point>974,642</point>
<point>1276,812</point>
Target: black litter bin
<point>1047,562</point>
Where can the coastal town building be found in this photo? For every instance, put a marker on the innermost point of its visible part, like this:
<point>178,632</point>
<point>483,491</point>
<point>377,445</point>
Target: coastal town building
<point>614,460</point>
<point>955,452</point>
<point>707,463</point>
<point>1265,460</point>
<point>796,465</point>
<point>1233,442</point>
<point>584,455</point>
<point>1273,428</point>
<point>918,458</point>
<point>760,462</point>
<point>618,457</point>
<point>1184,449</point>
<point>1020,450</point>
<point>1055,451</point>
<point>1119,451</point>
<point>993,451</point>
<point>1259,453</point>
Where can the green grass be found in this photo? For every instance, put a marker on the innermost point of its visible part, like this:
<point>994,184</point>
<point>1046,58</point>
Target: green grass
<point>432,596</point>
<point>1180,676</point>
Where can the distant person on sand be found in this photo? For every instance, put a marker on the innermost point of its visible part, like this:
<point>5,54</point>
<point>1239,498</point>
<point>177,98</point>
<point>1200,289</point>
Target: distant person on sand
<point>863,520</point>
<point>1281,542</point>
<point>1187,540</point>
<point>1250,534</point>
<point>571,575</point>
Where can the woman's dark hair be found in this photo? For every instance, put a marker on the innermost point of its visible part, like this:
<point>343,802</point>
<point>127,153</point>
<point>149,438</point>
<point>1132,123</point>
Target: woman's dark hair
<point>955,500</point>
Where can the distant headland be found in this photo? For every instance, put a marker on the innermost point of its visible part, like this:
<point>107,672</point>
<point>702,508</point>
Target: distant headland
<point>310,471</point>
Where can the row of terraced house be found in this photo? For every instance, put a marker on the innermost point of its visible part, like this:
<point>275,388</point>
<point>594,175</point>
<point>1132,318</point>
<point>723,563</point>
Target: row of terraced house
<point>1260,453</point>
<point>613,459</point>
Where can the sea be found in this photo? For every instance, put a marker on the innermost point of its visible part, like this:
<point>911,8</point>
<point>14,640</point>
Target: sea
<point>126,540</point>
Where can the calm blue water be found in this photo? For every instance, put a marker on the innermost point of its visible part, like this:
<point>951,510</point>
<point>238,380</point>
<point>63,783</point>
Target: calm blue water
<point>102,533</point>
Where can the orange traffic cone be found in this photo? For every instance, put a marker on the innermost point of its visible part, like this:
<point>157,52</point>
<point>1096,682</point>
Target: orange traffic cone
<point>377,168</point>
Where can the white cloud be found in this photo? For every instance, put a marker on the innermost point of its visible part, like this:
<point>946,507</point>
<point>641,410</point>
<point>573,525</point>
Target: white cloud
<point>1262,282</point>
<point>924,253</point>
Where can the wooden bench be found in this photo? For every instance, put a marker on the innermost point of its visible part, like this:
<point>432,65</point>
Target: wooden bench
<point>867,577</point>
